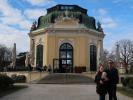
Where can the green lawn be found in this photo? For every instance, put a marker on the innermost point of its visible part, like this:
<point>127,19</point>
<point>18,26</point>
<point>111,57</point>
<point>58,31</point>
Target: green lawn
<point>12,89</point>
<point>126,91</point>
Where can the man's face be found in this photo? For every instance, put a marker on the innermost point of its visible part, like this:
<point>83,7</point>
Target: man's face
<point>110,65</point>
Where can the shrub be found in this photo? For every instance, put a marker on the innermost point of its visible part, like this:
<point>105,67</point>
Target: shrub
<point>14,76</point>
<point>122,79</point>
<point>80,69</point>
<point>56,70</point>
<point>125,81</point>
<point>128,82</point>
<point>5,81</point>
<point>19,78</point>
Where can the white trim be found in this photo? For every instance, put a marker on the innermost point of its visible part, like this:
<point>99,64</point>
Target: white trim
<point>64,40</point>
<point>92,41</point>
<point>40,42</point>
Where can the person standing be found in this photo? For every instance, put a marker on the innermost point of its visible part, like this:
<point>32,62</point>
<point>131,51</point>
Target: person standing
<point>113,77</point>
<point>101,83</point>
<point>45,68</point>
<point>49,68</point>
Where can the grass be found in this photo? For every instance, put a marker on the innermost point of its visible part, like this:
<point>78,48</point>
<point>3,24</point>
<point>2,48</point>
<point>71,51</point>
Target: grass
<point>126,91</point>
<point>9,90</point>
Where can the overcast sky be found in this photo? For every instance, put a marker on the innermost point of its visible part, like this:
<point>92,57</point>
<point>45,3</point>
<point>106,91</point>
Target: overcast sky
<point>16,17</point>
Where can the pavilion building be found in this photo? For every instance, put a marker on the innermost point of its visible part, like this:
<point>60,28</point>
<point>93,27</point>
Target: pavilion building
<point>67,39</point>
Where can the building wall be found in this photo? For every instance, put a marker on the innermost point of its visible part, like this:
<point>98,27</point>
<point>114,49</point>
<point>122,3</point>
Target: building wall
<point>40,39</point>
<point>68,31</point>
<point>80,43</point>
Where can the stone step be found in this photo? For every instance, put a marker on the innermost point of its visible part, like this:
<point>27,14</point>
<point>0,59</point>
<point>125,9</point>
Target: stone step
<point>65,78</point>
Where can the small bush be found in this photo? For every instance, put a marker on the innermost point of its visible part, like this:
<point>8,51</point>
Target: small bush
<point>125,81</point>
<point>122,79</point>
<point>56,70</point>
<point>80,69</point>
<point>128,82</point>
<point>13,76</point>
<point>19,78</point>
<point>5,81</point>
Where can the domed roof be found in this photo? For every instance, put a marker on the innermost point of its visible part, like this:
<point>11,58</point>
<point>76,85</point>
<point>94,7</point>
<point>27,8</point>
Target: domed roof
<point>72,8</point>
<point>73,11</point>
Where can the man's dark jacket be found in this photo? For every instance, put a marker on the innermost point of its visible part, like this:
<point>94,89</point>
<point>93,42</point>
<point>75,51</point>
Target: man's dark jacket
<point>113,76</point>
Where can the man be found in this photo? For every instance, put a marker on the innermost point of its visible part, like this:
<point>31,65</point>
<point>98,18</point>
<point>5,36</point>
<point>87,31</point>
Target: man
<point>113,80</point>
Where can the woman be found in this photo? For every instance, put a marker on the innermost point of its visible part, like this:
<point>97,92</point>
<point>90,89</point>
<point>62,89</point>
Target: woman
<point>101,81</point>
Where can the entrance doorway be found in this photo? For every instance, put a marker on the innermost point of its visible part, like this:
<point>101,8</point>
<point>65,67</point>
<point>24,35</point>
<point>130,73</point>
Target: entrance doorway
<point>66,58</point>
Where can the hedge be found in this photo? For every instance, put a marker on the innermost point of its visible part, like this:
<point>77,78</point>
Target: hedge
<point>5,81</point>
<point>19,78</point>
<point>128,82</point>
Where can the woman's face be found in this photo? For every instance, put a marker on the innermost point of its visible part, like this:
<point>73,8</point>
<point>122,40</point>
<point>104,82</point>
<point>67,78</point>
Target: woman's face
<point>101,69</point>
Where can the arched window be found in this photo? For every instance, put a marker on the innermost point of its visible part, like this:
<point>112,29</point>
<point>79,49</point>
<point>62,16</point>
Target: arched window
<point>66,58</point>
<point>39,55</point>
<point>93,58</point>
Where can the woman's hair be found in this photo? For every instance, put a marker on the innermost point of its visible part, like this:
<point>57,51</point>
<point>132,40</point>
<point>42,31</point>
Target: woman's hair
<point>100,65</point>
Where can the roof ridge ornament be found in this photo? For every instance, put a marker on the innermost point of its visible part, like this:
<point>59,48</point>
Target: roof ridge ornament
<point>34,26</point>
<point>66,16</point>
<point>99,27</point>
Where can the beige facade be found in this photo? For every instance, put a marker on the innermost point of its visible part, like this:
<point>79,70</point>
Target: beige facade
<point>68,31</point>
<point>67,39</point>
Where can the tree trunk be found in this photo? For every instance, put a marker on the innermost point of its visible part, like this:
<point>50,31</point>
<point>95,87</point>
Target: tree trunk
<point>126,68</point>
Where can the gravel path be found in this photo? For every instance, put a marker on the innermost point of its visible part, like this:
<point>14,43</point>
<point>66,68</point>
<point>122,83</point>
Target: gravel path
<point>57,92</point>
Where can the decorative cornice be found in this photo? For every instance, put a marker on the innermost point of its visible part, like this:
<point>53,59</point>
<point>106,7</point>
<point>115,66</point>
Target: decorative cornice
<point>78,30</point>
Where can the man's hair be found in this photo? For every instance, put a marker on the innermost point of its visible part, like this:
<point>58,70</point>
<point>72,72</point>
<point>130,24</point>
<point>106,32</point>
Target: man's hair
<point>110,61</point>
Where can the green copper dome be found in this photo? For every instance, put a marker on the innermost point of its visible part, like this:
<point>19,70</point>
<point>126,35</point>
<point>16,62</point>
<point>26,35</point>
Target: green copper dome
<point>73,11</point>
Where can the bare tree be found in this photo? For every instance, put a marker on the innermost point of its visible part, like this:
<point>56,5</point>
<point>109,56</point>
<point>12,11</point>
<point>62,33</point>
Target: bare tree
<point>126,52</point>
<point>5,55</point>
<point>107,56</point>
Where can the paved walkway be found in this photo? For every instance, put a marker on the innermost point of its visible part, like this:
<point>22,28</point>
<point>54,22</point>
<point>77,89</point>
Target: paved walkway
<point>57,92</point>
<point>65,78</point>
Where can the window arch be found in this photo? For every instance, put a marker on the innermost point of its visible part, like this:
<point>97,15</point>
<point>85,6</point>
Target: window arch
<point>93,58</point>
<point>39,55</point>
